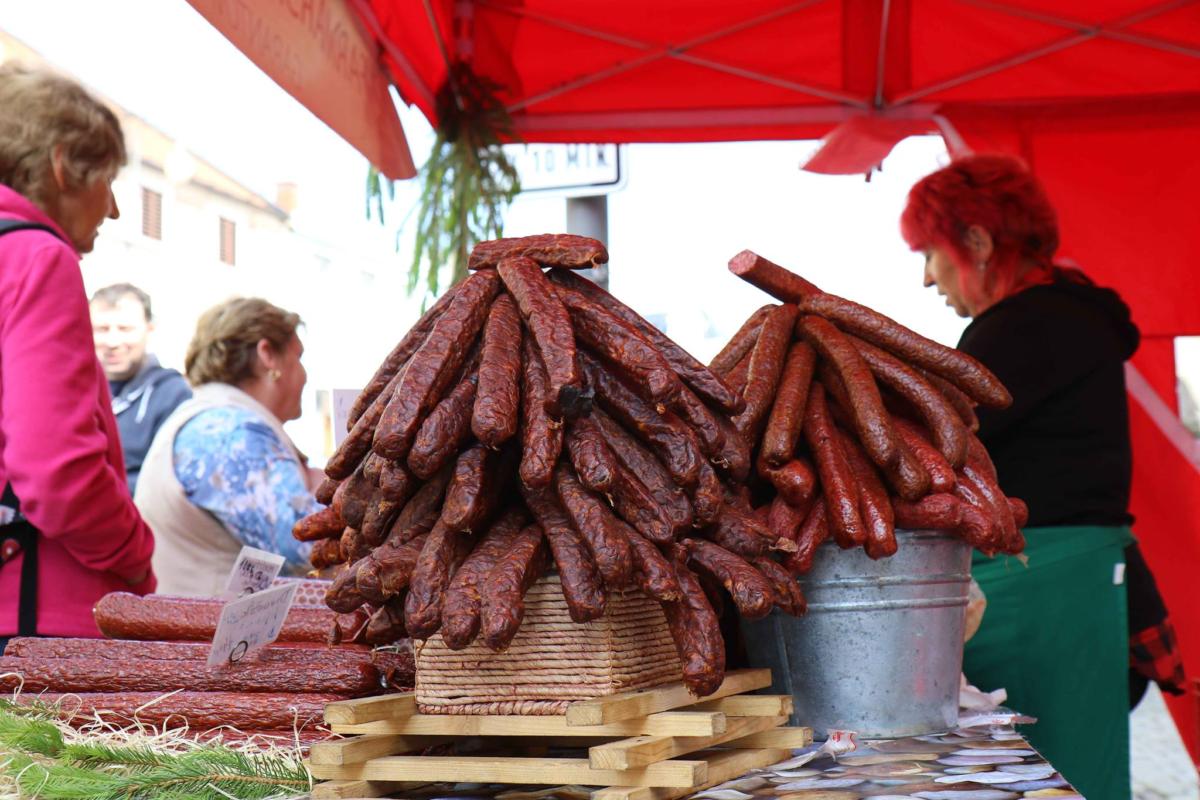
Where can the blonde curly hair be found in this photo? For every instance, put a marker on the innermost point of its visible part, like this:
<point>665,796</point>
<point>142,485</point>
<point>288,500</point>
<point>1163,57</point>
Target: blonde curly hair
<point>40,112</point>
<point>224,348</point>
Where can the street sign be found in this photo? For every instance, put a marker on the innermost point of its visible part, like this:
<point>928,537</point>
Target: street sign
<point>569,170</point>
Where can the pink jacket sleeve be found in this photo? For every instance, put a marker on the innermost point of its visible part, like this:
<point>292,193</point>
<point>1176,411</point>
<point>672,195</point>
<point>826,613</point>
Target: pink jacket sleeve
<point>57,450</point>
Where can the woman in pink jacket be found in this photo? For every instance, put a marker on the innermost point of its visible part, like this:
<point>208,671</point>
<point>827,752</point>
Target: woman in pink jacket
<point>69,532</point>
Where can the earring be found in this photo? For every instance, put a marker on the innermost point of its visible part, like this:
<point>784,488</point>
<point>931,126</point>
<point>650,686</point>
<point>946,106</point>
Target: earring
<point>275,374</point>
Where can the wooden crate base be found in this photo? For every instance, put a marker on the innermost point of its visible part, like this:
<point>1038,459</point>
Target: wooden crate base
<point>650,744</point>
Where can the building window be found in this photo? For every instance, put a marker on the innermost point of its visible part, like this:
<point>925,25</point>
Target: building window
<point>228,231</point>
<point>151,213</point>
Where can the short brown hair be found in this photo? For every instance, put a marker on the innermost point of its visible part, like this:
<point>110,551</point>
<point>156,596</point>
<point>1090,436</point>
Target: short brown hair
<point>110,295</point>
<point>41,111</point>
<point>224,348</point>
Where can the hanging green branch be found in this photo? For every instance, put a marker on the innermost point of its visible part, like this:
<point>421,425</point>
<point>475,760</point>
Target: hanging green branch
<point>466,184</point>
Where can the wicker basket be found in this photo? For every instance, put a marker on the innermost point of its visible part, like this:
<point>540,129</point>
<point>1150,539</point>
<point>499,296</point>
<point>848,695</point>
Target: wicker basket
<point>552,661</point>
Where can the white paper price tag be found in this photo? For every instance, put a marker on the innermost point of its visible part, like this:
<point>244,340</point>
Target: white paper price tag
<point>343,402</point>
<point>253,571</point>
<point>250,623</point>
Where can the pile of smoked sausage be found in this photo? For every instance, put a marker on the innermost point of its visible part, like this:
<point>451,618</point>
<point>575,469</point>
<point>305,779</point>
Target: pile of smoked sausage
<point>861,425</point>
<point>531,421</point>
<point>153,669</point>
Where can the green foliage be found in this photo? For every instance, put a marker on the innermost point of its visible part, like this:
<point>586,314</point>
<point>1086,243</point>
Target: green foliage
<point>34,755</point>
<point>466,184</point>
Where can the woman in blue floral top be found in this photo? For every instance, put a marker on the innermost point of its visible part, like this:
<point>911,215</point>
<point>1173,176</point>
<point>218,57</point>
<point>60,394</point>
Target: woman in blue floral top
<point>221,472</point>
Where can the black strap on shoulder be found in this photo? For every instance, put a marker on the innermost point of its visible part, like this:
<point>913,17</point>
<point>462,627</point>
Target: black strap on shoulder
<point>22,533</point>
<point>11,225</point>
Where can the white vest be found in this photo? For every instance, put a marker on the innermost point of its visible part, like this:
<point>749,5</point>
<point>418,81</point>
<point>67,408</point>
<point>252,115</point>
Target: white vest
<point>193,551</point>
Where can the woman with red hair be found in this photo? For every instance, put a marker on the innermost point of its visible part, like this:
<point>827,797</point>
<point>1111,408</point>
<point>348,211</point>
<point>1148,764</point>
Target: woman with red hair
<point>1055,634</point>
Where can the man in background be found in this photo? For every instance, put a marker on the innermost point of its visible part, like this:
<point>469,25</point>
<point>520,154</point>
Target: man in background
<point>144,393</point>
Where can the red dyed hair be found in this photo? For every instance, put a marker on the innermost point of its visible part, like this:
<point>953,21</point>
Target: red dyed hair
<point>997,193</point>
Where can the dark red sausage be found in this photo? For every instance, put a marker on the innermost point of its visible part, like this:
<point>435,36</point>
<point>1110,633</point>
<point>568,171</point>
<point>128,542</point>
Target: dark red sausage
<point>541,436</point>
<point>741,533</point>
<point>931,513</point>
<point>766,365</point>
<point>399,356</point>
<point>954,365</point>
<point>502,593</point>
<point>422,509</point>
<point>430,577</point>
<point>120,615</point>
<point>941,474</point>
<point>708,496</point>
<point>700,378</point>
<point>550,249</point>
<point>323,524</point>
<point>771,278</point>
<point>813,532</point>
<point>550,328</point>
<point>742,342</point>
<point>653,570</point>
<point>582,586</point>
<point>324,491</point>
<point>202,710</point>
<point>386,572</point>
<point>697,633</point>
<point>472,490</point>
<point>353,496</point>
<point>787,414</point>
<point>873,504</point>
<point>461,608</point>
<point>600,529</point>
<point>703,421</point>
<point>963,405</point>
<point>435,365</point>
<point>796,481</point>
<point>447,428</point>
<point>357,443</point>
<point>386,625</point>
<point>837,482</point>
<point>789,598</point>
<point>326,553</point>
<point>496,413</point>
<point>751,591</point>
<point>593,460</point>
<point>784,519</point>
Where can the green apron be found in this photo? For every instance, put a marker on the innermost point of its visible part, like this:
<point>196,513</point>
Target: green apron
<point>1055,636</point>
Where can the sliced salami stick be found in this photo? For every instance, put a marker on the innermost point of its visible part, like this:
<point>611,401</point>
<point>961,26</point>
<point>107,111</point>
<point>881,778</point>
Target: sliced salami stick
<point>787,414</point>
<point>955,366</point>
<point>582,586</point>
<point>941,474</point>
<point>435,365</point>
<point>599,528</point>
<point>550,328</point>
<point>949,433</point>
<point>549,249</point>
<point>697,633</point>
<point>789,598</point>
<point>502,592</point>
<point>430,577</point>
<point>447,428</point>
<point>771,278</point>
<point>837,481</point>
<point>496,413</point>
<point>622,347</point>
<point>766,365</point>
<point>400,355</point>
<point>590,455</point>
<point>703,381</point>
<point>740,345</point>
<point>653,570</point>
<point>751,591</point>
<point>872,422</point>
<point>323,524</point>
<point>672,441</point>
<point>461,610</point>
<point>813,532</point>
<point>873,504</point>
<point>541,436</point>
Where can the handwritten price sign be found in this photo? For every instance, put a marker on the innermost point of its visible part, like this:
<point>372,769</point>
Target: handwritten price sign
<point>253,571</point>
<point>250,623</point>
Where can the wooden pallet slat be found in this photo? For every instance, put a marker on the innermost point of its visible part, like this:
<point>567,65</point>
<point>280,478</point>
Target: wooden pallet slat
<point>358,749</point>
<point>791,738</point>
<point>723,765</point>
<point>749,705</point>
<point>641,702</point>
<point>495,769</point>
<point>642,750</point>
<point>342,790</point>
<point>666,723</point>
<point>371,709</point>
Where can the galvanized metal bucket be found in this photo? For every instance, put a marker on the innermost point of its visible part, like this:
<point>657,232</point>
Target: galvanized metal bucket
<point>880,649</point>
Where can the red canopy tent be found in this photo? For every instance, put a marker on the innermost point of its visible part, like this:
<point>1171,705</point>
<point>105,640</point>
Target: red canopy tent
<point>1101,97</point>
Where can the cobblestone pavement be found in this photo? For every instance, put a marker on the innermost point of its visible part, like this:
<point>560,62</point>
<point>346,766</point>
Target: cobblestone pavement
<point>1162,769</point>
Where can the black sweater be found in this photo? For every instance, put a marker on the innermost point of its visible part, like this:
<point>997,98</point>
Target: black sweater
<point>1063,446</point>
